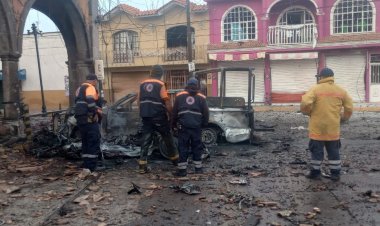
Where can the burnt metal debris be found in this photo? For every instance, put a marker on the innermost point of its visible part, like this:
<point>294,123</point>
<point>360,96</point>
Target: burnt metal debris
<point>135,189</point>
<point>187,188</point>
<point>65,142</point>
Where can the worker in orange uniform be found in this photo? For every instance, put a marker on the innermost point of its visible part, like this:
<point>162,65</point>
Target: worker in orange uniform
<point>323,103</point>
<point>155,111</point>
<point>88,115</point>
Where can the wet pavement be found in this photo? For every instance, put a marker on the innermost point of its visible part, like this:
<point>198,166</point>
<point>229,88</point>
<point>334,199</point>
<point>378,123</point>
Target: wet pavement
<point>273,189</point>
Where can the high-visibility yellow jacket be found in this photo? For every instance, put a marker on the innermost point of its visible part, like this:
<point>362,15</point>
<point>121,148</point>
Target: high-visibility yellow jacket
<point>323,103</point>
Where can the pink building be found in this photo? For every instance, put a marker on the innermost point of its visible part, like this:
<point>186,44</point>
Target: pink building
<point>288,41</point>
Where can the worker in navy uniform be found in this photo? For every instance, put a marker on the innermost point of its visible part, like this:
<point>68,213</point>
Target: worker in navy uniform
<point>190,113</point>
<point>88,115</point>
<point>155,111</point>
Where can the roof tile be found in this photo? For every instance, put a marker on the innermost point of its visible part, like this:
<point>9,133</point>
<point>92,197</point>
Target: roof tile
<point>136,12</point>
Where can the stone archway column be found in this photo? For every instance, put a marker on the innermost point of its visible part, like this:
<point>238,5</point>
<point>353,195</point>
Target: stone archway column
<point>11,87</point>
<point>78,71</point>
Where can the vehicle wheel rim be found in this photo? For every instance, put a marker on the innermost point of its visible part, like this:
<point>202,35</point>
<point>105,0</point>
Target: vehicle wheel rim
<point>209,136</point>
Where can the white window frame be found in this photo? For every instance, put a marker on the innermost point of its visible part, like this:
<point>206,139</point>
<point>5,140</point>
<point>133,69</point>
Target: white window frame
<point>132,46</point>
<point>226,14</point>
<point>332,15</point>
<point>292,8</point>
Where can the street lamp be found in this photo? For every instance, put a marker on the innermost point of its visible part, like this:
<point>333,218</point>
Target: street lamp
<point>35,32</point>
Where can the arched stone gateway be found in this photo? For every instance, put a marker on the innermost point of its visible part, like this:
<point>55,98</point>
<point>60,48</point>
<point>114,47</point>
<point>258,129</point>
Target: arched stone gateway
<point>76,21</point>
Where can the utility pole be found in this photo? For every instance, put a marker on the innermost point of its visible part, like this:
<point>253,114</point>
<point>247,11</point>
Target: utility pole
<point>35,32</point>
<point>189,38</point>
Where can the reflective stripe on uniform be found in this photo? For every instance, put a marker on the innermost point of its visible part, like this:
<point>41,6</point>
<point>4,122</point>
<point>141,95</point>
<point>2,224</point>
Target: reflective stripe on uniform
<point>174,157</point>
<point>89,156</point>
<point>335,162</point>
<point>197,164</point>
<point>316,167</point>
<point>189,111</point>
<point>335,167</point>
<point>316,162</point>
<point>182,165</point>
<point>81,102</point>
<point>149,101</point>
<point>143,162</point>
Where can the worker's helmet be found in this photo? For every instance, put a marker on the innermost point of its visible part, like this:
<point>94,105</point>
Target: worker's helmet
<point>326,72</point>
<point>91,77</point>
<point>157,71</point>
<point>192,82</point>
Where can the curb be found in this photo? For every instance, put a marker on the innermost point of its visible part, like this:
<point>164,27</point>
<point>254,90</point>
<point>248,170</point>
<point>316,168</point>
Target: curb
<point>293,108</point>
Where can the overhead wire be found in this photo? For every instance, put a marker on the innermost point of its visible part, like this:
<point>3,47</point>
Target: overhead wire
<point>141,28</point>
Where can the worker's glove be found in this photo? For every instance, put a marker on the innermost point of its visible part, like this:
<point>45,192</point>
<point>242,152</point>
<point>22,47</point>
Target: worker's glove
<point>99,110</point>
<point>95,118</point>
<point>175,131</point>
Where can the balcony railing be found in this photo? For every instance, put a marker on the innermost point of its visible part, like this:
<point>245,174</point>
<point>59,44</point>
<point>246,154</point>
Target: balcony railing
<point>124,57</point>
<point>291,34</point>
<point>149,56</point>
<point>177,53</point>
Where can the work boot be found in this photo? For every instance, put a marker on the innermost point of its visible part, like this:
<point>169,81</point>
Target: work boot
<point>314,175</point>
<point>175,162</point>
<point>100,166</point>
<point>143,168</point>
<point>180,173</point>
<point>198,171</point>
<point>335,175</point>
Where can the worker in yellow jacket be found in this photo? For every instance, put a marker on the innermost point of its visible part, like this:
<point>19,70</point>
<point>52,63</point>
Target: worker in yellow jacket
<point>324,103</point>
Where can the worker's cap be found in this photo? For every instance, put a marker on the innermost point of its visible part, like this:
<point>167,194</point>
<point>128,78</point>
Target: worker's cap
<point>192,82</point>
<point>157,71</point>
<point>91,77</point>
<point>326,72</point>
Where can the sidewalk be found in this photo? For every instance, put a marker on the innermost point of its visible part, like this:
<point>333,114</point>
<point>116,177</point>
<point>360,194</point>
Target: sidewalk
<point>294,107</point>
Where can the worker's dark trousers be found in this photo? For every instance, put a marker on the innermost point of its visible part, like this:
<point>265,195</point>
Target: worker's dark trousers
<point>317,154</point>
<point>189,137</point>
<point>160,125</point>
<point>90,134</point>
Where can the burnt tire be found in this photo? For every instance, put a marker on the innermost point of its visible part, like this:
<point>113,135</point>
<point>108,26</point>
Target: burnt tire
<point>163,148</point>
<point>209,135</point>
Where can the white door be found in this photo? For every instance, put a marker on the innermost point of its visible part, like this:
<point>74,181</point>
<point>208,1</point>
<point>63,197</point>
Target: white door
<point>374,94</point>
<point>293,76</point>
<point>349,71</point>
<point>237,82</point>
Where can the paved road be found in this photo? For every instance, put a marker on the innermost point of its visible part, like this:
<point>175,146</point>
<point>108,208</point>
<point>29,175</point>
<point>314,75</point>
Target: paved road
<point>273,170</point>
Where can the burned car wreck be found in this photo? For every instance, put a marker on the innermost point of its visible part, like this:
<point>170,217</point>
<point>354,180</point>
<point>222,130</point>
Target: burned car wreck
<point>231,118</point>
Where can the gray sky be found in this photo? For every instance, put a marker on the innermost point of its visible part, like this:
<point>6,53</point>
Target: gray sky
<point>46,25</point>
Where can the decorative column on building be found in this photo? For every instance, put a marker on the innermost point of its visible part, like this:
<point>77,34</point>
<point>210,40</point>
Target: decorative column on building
<point>264,24</point>
<point>11,87</point>
<point>267,80</point>
<point>321,22</point>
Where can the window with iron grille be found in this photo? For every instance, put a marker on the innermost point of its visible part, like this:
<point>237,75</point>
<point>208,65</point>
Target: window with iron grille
<point>375,69</point>
<point>353,16</point>
<point>239,24</point>
<point>125,46</point>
